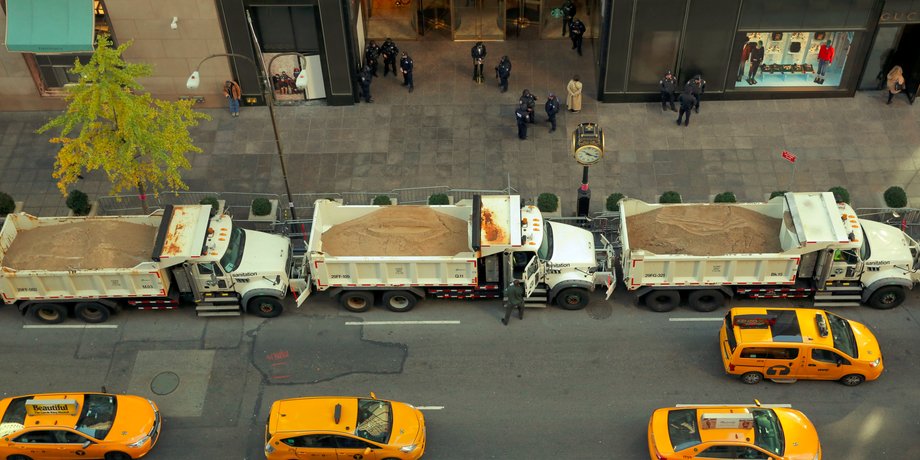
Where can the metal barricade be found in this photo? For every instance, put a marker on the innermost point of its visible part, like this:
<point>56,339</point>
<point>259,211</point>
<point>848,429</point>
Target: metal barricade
<point>419,195</point>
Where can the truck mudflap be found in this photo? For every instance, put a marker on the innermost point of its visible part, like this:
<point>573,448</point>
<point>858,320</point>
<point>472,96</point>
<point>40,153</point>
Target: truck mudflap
<point>302,288</point>
<point>607,279</point>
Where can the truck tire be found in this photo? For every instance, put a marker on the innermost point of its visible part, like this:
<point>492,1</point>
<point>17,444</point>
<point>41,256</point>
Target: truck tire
<point>92,312</point>
<point>49,313</point>
<point>662,301</point>
<point>399,301</point>
<point>357,301</point>
<point>887,297</point>
<point>264,307</point>
<point>572,299</point>
<point>706,300</point>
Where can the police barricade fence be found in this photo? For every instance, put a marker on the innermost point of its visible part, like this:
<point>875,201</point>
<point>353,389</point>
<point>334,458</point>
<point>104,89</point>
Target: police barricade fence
<point>906,219</point>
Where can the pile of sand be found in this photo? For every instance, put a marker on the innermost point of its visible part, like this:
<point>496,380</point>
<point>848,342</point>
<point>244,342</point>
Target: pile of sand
<point>704,230</point>
<point>398,231</point>
<point>88,245</point>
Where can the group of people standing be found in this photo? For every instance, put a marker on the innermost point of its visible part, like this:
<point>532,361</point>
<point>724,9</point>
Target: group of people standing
<point>573,25</point>
<point>689,98</point>
<point>525,112</point>
<point>389,51</point>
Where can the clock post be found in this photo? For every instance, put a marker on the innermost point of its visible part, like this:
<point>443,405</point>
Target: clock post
<point>588,149</point>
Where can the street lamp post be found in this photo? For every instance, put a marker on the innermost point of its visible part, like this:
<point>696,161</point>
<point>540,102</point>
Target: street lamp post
<point>195,79</point>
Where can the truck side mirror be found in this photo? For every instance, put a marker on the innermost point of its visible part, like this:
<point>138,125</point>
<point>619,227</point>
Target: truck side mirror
<point>213,277</point>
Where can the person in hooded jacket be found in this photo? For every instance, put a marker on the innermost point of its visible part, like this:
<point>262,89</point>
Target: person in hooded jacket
<point>528,101</point>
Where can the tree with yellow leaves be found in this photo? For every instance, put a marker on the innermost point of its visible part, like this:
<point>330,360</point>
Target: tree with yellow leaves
<point>111,124</point>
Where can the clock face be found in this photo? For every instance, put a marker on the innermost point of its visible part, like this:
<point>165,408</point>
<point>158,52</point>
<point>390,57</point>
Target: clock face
<point>588,154</point>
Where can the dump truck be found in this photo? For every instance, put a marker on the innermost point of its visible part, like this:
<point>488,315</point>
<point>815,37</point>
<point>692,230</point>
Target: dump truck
<point>798,245</point>
<point>93,267</point>
<point>400,255</point>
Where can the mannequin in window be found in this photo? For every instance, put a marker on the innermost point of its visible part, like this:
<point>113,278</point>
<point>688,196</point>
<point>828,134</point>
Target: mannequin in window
<point>745,55</point>
<point>756,60</point>
<point>825,57</point>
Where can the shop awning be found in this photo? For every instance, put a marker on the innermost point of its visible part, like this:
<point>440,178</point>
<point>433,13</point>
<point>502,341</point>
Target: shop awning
<point>49,26</point>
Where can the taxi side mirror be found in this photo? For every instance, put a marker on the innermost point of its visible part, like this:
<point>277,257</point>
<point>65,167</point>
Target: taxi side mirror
<point>839,362</point>
<point>367,451</point>
<point>87,444</point>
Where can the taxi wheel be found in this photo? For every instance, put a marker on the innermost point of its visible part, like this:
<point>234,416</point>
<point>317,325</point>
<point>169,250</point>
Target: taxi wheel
<point>662,301</point>
<point>399,301</point>
<point>751,378</point>
<point>852,380</point>
<point>117,456</point>
<point>49,313</point>
<point>706,300</point>
<point>357,301</point>
<point>18,457</point>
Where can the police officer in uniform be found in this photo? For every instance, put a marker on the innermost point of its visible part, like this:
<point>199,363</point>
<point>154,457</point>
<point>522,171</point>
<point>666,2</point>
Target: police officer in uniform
<point>521,116</point>
<point>667,86</point>
<point>389,51</point>
<point>503,71</point>
<point>406,65</point>
<point>687,101</point>
<point>568,13</point>
<point>697,86</point>
<point>364,79</point>
<point>371,51</point>
<point>515,295</point>
<point>576,32</point>
<point>552,108</point>
<point>478,52</point>
<point>528,101</point>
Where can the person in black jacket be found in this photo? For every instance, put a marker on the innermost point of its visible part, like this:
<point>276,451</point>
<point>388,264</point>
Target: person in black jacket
<point>756,59</point>
<point>687,101</point>
<point>371,52</point>
<point>667,86</point>
<point>528,101</point>
<point>406,65</point>
<point>568,13</point>
<point>364,79</point>
<point>697,86</point>
<point>503,71</point>
<point>389,51</point>
<point>577,31</point>
<point>478,52</point>
<point>552,108</point>
<point>521,115</point>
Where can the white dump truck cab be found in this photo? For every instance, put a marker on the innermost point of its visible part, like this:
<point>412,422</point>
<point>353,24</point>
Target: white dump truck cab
<point>887,264</point>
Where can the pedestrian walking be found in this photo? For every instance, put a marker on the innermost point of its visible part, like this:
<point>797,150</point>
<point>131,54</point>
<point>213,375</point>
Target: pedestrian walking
<point>667,86</point>
<point>697,86</point>
<point>478,52</point>
<point>503,71</point>
<point>528,101</point>
<point>515,300</point>
<point>568,13</point>
<point>233,94</point>
<point>576,32</point>
<point>573,99</point>
<point>687,101</point>
<point>371,53</point>
<point>552,108</point>
<point>406,65</point>
<point>389,50</point>
<point>896,84</point>
<point>521,116</point>
<point>756,58</point>
<point>364,79</point>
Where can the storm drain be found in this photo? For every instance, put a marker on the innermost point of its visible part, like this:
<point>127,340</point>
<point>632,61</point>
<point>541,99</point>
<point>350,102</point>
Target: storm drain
<point>164,383</point>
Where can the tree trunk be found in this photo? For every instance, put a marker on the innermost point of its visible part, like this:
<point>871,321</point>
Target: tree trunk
<point>143,196</point>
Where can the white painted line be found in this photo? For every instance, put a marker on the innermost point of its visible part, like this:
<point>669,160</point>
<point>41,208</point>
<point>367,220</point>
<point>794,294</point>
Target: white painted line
<point>429,407</point>
<point>695,319</point>
<point>70,326</point>
<point>389,323</point>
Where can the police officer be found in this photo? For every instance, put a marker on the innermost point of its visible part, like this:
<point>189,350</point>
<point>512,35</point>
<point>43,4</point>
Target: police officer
<point>478,52</point>
<point>667,86</point>
<point>568,13</point>
<point>364,79</point>
<point>389,51</point>
<point>528,101</point>
<point>552,108</point>
<point>521,116</point>
<point>697,86</point>
<point>503,71</point>
<point>576,31</point>
<point>406,65</point>
<point>687,101</point>
<point>371,51</point>
<point>515,295</point>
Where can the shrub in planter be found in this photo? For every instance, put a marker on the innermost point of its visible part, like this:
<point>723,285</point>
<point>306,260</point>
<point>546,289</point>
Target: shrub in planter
<point>547,202</point>
<point>613,201</point>
<point>7,205</point>
<point>777,193</point>
<point>382,200</point>
<point>438,199</point>
<point>669,197</point>
<point>211,200</point>
<point>725,197</point>
<point>895,197</point>
<point>78,202</point>
<point>840,194</point>
<point>261,207</point>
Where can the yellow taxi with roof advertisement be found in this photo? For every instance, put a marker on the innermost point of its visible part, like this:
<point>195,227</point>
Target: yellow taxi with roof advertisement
<point>78,426</point>
<point>764,432</point>
<point>344,428</point>
<point>786,344</point>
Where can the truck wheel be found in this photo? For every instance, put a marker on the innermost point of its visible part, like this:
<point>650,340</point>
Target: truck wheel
<point>572,299</point>
<point>264,307</point>
<point>357,301</point>
<point>887,297</point>
<point>852,380</point>
<point>751,378</point>
<point>662,301</point>
<point>706,300</point>
<point>49,313</point>
<point>92,312</point>
<point>399,301</point>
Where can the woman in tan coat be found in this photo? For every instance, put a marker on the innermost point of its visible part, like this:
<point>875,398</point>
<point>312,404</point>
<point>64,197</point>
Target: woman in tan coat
<point>896,84</point>
<point>573,100</point>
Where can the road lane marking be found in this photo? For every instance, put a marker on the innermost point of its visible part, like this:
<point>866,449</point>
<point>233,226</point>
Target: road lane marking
<point>390,323</point>
<point>70,326</point>
<point>429,407</point>
<point>695,319</point>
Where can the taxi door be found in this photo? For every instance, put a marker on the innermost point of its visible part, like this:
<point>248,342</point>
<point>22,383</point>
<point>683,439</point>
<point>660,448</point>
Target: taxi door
<point>75,445</point>
<point>315,447</point>
<point>354,449</point>
<point>824,364</point>
<point>36,444</point>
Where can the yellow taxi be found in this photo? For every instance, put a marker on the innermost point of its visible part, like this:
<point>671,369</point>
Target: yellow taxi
<point>764,432</point>
<point>344,427</point>
<point>78,426</point>
<point>786,344</point>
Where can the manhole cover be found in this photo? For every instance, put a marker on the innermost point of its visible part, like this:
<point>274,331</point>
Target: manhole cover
<point>164,383</point>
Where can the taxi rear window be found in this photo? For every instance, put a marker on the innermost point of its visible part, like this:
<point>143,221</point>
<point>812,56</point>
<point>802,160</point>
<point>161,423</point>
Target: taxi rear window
<point>14,417</point>
<point>682,428</point>
<point>730,332</point>
<point>97,416</point>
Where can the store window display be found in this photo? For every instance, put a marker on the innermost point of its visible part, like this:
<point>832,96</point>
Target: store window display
<point>792,59</point>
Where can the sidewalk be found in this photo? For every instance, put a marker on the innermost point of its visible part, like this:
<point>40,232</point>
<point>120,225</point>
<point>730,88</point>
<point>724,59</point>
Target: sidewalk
<point>451,131</point>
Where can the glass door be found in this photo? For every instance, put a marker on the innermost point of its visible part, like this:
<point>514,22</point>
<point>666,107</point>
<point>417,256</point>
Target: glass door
<point>434,17</point>
<point>478,19</point>
<point>523,18</point>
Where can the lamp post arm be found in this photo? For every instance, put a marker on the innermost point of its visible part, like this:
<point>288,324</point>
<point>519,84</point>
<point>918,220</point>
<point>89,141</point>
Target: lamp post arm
<point>198,67</point>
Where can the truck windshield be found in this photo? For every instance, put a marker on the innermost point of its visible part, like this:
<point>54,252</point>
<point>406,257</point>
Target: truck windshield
<point>231,259</point>
<point>768,432</point>
<point>98,415</point>
<point>546,246</point>
<point>375,420</point>
<point>843,335</point>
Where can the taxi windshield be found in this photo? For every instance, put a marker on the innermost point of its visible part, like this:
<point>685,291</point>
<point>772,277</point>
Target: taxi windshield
<point>843,335</point>
<point>231,259</point>
<point>682,428</point>
<point>97,416</point>
<point>768,433</point>
<point>375,420</point>
<point>546,246</point>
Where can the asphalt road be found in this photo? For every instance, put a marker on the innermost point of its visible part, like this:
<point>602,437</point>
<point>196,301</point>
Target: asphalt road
<point>557,385</point>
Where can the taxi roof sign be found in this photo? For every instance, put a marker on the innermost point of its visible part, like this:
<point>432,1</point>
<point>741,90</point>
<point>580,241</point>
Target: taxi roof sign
<point>39,407</point>
<point>744,420</point>
<point>754,321</point>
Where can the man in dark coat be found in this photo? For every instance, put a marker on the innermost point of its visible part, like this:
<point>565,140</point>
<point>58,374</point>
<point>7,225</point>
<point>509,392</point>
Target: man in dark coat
<point>364,79</point>
<point>503,71</point>
<point>389,52</point>
<point>528,101</point>
<point>371,52</point>
<point>577,31</point>
<point>697,86</point>
<point>687,101</point>
<point>521,116</point>
<point>568,13</point>
<point>515,295</point>
<point>667,86</point>
<point>406,65</point>
<point>552,108</point>
<point>478,52</point>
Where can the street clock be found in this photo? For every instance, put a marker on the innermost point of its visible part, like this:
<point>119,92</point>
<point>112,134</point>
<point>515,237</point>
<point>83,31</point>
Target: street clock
<point>588,144</point>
